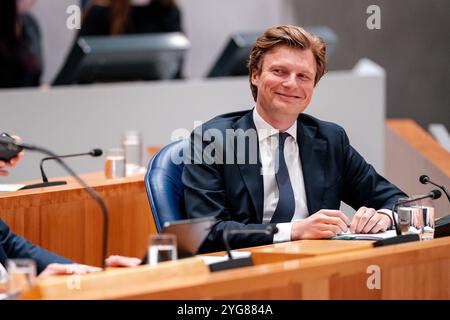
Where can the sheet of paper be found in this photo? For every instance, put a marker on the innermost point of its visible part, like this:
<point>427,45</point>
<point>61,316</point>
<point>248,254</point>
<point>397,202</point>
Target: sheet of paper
<point>366,236</point>
<point>10,187</point>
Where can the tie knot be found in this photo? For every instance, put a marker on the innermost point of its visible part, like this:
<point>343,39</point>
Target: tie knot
<point>282,138</point>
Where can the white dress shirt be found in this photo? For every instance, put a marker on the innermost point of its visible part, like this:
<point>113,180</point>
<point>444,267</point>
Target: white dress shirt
<point>268,145</point>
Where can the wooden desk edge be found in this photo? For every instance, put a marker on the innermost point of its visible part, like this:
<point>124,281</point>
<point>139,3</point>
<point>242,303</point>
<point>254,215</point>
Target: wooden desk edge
<point>420,140</point>
<point>312,268</point>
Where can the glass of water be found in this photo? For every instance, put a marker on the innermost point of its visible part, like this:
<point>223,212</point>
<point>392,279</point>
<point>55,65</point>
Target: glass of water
<point>132,145</point>
<point>428,217</point>
<point>410,220</point>
<point>3,282</point>
<point>115,163</point>
<point>161,247</point>
<point>21,276</point>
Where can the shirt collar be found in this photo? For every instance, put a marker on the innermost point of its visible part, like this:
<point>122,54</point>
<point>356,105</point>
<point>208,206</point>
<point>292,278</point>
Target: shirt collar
<point>265,130</point>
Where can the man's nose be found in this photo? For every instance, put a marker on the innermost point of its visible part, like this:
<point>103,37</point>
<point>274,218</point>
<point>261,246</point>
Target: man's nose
<point>291,80</point>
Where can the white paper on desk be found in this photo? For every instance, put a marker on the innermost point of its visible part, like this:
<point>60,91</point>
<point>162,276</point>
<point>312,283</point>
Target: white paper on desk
<point>366,236</point>
<point>10,187</point>
<point>235,254</point>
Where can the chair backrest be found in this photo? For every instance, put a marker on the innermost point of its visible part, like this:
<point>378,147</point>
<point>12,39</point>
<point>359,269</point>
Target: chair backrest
<point>164,186</point>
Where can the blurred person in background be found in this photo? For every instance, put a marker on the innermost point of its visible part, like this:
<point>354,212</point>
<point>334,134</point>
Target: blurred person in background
<point>124,17</point>
<point>20,45</point>
<point>117,17</point>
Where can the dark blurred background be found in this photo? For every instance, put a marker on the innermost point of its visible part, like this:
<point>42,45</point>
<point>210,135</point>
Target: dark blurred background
<point>412,45</point>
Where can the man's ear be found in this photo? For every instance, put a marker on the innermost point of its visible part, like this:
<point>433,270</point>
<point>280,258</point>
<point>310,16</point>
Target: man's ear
<point>255,77</point>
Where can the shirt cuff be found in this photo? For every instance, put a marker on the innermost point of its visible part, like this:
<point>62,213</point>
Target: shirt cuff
<point>389,214</point>
<point>284,232</point>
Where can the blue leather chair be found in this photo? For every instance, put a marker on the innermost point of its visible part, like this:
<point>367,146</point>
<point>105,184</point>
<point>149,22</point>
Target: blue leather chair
<point>164,186</point>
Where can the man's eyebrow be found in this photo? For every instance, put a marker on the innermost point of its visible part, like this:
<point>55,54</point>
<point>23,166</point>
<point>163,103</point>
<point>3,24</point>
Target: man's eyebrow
<point>282,66</point>
<point>276,65</point>
<point>307,72</point>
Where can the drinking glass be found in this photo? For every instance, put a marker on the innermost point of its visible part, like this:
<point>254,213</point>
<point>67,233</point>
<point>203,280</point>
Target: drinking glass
<point>115,164</point>
<point>161,247</point>
<point>21,276</point>
<point>410,220</point>
<point>132,145</point>
<point>428,217</point>
<point>3,282</point>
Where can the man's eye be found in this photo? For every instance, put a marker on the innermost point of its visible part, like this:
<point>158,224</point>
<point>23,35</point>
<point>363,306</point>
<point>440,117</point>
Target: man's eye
<point>303,76</point>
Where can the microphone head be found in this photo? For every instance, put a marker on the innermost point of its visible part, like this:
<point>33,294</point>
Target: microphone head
<point>435,194</point>
<point>96,152</point>
<point>424,179</point>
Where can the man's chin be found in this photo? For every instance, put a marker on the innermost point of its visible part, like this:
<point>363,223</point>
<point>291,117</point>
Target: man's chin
<point>289,109</point>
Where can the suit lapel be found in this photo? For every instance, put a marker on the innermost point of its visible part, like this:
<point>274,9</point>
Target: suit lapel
<point>313,158</point>
<point>251,173</point>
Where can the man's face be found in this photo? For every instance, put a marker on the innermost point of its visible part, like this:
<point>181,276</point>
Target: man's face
<point>285,83</point>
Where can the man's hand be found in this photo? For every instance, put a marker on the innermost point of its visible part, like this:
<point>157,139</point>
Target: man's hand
<point>322,224</point>
<point>368,220</point>
<point>119,261</point>
<point>65,269</point>
<point>60,269</point>
<point>12,162</point>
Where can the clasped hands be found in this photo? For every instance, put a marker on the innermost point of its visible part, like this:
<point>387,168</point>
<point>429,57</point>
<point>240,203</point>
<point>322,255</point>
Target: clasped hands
<point>329,223</point>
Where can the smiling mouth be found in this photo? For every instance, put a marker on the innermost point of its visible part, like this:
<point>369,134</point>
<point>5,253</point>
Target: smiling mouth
<point>287,95</point>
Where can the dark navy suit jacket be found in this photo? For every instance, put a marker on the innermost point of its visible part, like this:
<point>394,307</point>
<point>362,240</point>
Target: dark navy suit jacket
<point>14,247</point>
<point>333,172</point>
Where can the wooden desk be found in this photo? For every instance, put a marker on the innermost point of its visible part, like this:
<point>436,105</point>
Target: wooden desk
<point>309,270</point>
<point>67,221</point>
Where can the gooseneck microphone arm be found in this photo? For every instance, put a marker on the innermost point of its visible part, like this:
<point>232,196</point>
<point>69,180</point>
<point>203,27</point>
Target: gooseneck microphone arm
<point>93,153</point>
<point>88,189</point>
<point>424,179</point>
<point>433,194</point>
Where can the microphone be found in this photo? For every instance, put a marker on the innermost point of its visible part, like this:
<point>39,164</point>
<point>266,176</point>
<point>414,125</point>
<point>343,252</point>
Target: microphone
<point>232,263</point>
<point>89,190</point>
<point>46,183</point>
<point>424,179</point>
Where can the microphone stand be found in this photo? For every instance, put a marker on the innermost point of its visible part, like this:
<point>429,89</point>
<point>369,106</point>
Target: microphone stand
<point>424,179</point>
<point>86,187</point>
<point>442,225</point>
<point>233,263</point>
<point>46,183</point>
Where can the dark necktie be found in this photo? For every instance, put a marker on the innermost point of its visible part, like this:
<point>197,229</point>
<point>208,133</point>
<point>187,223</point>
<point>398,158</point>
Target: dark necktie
<point>286,202</point>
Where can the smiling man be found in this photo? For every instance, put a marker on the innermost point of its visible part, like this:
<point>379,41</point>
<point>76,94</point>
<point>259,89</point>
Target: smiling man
<point>305,167</point>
